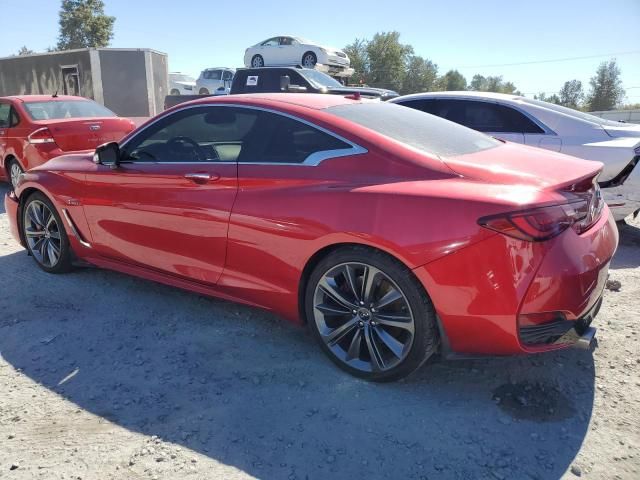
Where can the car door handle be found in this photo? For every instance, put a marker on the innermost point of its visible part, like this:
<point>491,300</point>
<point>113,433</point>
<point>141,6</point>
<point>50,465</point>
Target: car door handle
<point>201,177</point>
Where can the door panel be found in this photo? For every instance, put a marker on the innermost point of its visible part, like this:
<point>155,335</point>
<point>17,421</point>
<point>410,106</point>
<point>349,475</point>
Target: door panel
<point>169,217</point>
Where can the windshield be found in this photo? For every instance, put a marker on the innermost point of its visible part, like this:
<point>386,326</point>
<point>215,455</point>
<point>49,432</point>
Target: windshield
<point>178,77</point>
<point>319,79</point>
<point>417,129</point>
<point>58,109</point>
<point>571,112</point>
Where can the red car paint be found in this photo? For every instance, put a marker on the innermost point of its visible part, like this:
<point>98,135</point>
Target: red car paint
<point>68,134</point>
<point>251,235</point>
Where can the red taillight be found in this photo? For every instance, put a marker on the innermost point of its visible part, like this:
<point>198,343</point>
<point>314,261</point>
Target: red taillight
<point>535,224</point>
<point>581,211</point>
<point>40,136</point>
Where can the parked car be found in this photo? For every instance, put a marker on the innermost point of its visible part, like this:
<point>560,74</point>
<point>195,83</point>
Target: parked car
<point>392,233</point>
<point>214,81</point>
<point>546,125</point>
<point>298,80</point>
<point>181,84</point>
<point>287,50</point>
<point>36,128</point>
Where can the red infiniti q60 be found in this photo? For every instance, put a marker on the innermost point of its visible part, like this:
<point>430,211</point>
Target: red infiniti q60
<point>392,233</point>
<point>36,128</point>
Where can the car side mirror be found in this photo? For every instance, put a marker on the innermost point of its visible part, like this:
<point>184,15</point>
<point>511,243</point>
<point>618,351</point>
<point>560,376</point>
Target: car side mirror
<point>285,81</point>
<point>107,154</point>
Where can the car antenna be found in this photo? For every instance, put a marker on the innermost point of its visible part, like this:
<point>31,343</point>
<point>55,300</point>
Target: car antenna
<point>55,94</point>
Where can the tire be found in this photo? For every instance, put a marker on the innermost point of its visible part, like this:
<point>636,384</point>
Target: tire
<point>257,61</point>
<point>44,234</point>
<point>309,60</point>
<point>203,91</point>
<point>14,170</point>
<point>174,92</point>
<point>383,335</point>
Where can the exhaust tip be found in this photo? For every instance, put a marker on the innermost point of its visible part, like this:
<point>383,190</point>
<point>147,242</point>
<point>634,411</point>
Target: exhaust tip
<point>587,339</point>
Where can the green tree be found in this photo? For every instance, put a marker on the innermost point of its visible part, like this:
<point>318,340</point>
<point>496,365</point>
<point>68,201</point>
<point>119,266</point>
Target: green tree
<point>553,98</point>
<point>25,51</point>
<point>492,84</point>
<point>571,94</point>
<point>606,87</point>
<point>420,76</point>
<point>83,24</point>
<point>357,52</point>
<point>452,81</point>
<point>388,59</point>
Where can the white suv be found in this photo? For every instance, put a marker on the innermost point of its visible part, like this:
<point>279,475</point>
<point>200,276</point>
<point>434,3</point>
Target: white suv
<point>215,81</point>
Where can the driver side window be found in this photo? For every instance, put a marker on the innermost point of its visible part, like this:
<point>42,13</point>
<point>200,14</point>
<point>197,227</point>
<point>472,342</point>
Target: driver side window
<point>200,134</point>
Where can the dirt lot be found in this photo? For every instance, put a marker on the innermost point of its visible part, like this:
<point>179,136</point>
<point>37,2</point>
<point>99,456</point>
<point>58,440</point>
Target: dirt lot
<point>105,376</point>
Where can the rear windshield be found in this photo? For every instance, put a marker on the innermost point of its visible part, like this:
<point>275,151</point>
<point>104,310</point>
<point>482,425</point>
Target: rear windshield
<point>417,129</point>
<point>58,109</point>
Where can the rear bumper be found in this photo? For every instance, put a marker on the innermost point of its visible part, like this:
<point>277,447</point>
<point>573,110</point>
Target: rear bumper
<point>624,199</point>
<point>481,291</point>
<point>11,206</point>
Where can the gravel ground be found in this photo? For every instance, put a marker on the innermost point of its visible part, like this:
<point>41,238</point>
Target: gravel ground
<point>104,376</point>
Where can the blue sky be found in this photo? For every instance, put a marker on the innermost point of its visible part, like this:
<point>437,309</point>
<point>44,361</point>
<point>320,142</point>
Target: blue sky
<point>464,34</point>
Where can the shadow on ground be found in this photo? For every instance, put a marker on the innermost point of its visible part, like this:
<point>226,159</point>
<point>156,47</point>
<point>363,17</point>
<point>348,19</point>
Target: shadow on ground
<point>247,389</point>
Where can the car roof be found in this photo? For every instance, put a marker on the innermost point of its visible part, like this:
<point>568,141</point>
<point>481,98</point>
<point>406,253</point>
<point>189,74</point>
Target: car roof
<point>460,94</point>
<point>315,101</point>
<point>44,98</point>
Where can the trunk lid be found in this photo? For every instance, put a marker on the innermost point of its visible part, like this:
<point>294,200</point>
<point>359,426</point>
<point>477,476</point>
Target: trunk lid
<point>77,134</point>
<point>522,165</point>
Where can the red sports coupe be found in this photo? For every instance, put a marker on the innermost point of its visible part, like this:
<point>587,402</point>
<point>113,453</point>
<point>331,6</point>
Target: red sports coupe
<point>36,128</point>
<point>392,233</point>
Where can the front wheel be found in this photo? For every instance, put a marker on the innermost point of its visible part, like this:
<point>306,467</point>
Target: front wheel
<point>309,60</point>
<point>174,91</point>
<point>203,91</point>
<point>257,61</point>
<point>15,170</point>
<point>45,235</point>
<point>370,314</point>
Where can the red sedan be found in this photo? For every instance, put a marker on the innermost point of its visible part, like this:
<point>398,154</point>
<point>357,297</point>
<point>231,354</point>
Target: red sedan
<point>392,233</point>
<point>36,128</point>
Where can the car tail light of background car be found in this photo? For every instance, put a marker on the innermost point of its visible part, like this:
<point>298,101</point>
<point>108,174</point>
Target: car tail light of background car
<point>581,211</point>
<point>40,136</point>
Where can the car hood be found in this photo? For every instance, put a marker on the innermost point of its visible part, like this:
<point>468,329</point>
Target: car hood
<point>622,130</point>
<point>381,93</point>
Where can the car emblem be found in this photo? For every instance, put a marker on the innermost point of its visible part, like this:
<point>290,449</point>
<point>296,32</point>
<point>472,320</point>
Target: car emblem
<point>94,127</point>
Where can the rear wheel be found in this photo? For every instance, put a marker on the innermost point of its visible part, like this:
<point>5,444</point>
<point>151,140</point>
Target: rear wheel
<point>174,92</point>
<point>15,170</point>
<point>370,314</point>
<point>203,91</point>
<point>45,235</point>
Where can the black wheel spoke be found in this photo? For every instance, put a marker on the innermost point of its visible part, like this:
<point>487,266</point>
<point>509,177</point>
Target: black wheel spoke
<point>329,286</point>
<point>392,344</point>
<point>339,333</point>
<point>377,362</point>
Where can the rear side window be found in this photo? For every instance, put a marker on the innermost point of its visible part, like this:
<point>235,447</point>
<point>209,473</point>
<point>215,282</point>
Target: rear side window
<point>5,114</point>
<point>59,109</point>
<point>213,75</point>
<point>280,139</point>
<point>424,105</point>
<point>485,116</point>
<point>416,129</point>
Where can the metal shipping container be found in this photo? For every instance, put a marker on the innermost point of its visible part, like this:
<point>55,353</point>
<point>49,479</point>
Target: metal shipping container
<point>131,82</point>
